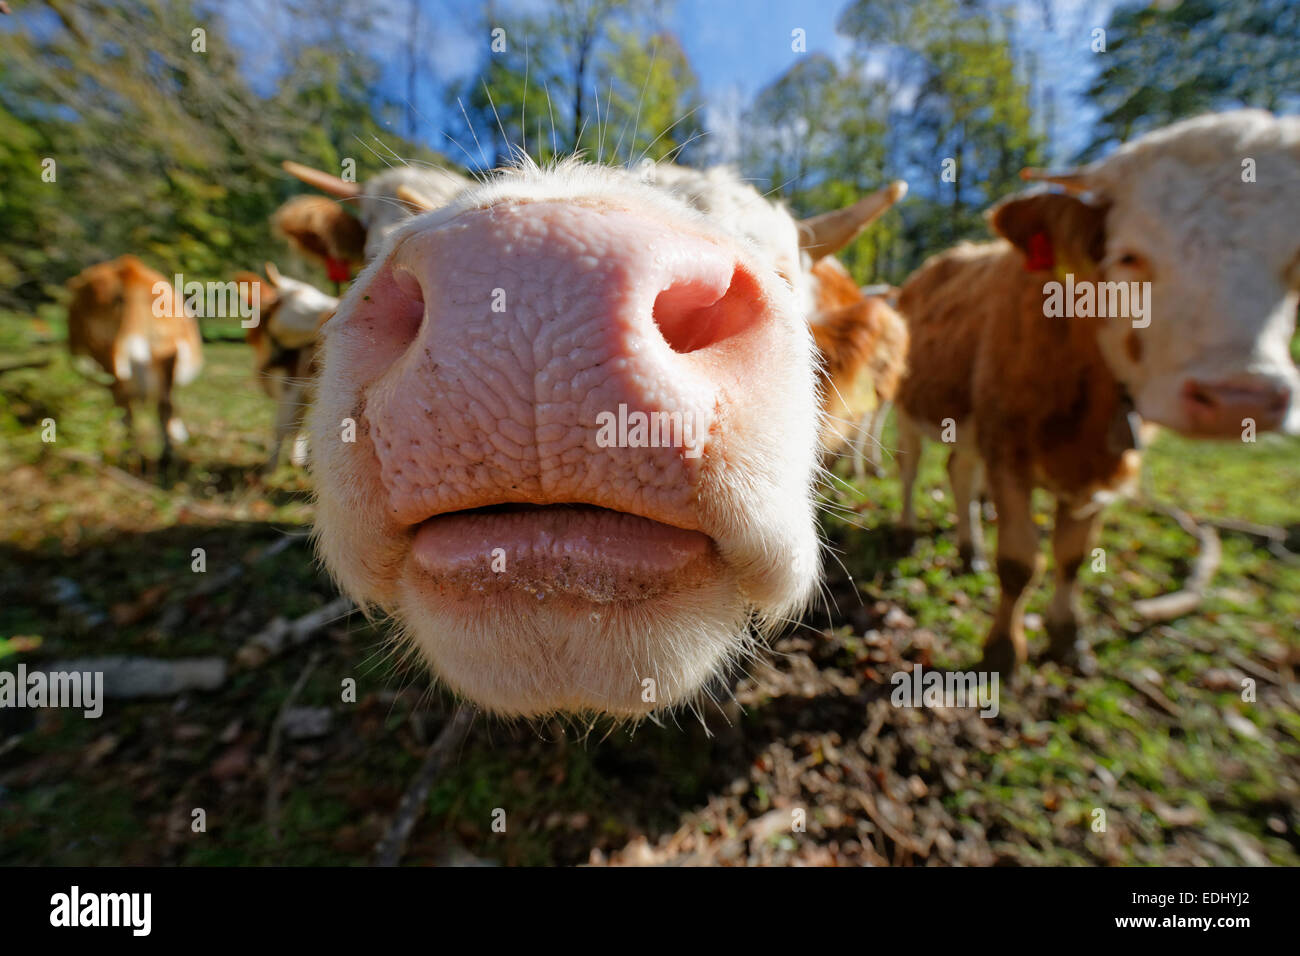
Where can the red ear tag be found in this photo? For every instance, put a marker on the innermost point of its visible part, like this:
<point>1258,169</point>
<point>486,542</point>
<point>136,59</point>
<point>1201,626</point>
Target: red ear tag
<point>337,270</point>
<point>1039,255</point>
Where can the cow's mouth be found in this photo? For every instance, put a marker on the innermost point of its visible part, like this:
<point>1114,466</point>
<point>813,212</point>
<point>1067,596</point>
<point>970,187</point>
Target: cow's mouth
<point>573,552</point>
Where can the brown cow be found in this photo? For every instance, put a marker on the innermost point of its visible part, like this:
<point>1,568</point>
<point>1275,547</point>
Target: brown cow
<point>382,204</point>
<point>284,339</point>
<point>130,320</point>
<point>1165,286</point>
<point>324,231</point>
<point>863,343</point>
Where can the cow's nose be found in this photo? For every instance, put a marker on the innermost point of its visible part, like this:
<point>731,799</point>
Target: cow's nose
<point>1225,408</point>
<point>523,340</point>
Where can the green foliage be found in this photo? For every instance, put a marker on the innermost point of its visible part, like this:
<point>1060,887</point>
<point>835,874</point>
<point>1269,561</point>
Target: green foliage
<point>1167,62</point>
<point>653,99</point>
<point>822,135</point>
<point>172,155</point>
<point>590,76</point>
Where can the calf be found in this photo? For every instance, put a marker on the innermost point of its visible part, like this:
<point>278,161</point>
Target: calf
<point>482,463</point>
<point>134,325</point>
<point>863,343</point>
<point>284,339</point>
<point>1209,262</point>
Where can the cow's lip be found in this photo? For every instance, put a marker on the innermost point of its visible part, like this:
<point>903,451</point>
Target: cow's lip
<point>577,551</point>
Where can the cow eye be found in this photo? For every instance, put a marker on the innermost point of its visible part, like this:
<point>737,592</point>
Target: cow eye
<point>1131,260</point>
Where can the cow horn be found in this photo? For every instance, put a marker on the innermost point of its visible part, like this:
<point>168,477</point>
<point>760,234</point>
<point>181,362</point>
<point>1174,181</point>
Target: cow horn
<point>325,182</point>
<point>415,198</point>
<point>273,274</point>
<point>831,231</point>
<point>1072,181</point>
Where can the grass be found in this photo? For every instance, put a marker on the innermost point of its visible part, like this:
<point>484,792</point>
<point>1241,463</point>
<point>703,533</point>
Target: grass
<point>1216,783</point>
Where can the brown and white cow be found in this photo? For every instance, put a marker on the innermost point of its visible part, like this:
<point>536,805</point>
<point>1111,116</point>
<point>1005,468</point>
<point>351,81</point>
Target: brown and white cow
<point>134,325</point>
<point>284,339</point>
<point>330,232</point>
<point>1190,236</point>
<point>863,344</point>
<point>320,228</point>
<point>471,482</point>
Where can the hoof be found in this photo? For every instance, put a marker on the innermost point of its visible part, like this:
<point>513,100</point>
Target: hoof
<point>1068,649</point>
<point>972,562</point>
<point>1000,656</point>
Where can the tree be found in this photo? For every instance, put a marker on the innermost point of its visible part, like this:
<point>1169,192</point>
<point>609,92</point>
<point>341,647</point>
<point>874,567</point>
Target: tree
<point>161,147</point>
<point>957,115</point>
<point>654,100</point>
<point>1165,63</point>
<point>589,76</point>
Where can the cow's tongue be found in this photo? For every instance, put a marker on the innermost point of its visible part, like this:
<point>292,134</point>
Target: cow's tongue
<point>592,554</point>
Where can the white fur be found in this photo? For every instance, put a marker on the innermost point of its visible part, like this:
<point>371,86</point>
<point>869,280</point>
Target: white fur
<point>296,322</point>
<point>1224,254</point>
<point>381,211</point>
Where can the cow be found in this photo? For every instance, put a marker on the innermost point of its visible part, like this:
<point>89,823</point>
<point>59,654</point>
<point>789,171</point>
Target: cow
<point>320,228</point>
<point>284,339</point>
<point>329,232</point>
<point>863,344</point>
<point>1158,289</point>
<point>567,432</point>
<point>130,321</point>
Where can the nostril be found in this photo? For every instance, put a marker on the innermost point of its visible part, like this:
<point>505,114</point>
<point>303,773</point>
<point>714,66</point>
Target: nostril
<point>1198,395</point>
<point>391,310</point>
<point>691,315</point>
<point>408,285</point>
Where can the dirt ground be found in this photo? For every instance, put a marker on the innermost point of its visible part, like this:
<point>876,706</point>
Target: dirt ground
<point>1156,759</point>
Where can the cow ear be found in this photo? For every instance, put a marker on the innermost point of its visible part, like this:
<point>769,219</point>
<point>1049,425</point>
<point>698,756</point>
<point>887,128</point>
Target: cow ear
<point>1052,227</point>
<point>247,280</point>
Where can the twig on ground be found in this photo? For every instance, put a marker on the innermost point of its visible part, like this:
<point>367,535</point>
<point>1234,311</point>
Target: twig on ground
<point>388,852</point>
<point>1271,536</point>
<point>282,634</point>
<point>19,366</point>
<point>233,572</point>
<point>1169,606</point>
<point>1153,694</point>
<point>1250,667</point>
<point>273,751</point>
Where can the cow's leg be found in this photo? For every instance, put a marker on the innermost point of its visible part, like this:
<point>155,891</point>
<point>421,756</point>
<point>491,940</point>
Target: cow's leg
<point>169,423</point>
<point>1018,566</point>
<point>122,399</point>
<point>867,446</point>
<point>1072,538</point>
<point>909,464</point>
<point>964,474</point>
<point>288,414</point>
